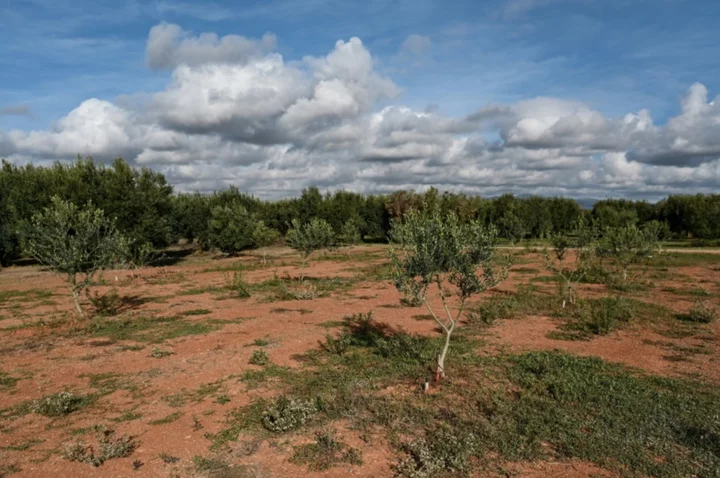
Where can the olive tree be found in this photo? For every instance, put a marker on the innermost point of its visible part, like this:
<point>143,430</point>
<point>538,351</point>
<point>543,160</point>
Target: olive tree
<point>309,237</point>
<point>230,229</point>
<point>570,258</point>
<point>628,245</point>
<point>74,242</point>
<point>263,237</point>
<point>429,248</point>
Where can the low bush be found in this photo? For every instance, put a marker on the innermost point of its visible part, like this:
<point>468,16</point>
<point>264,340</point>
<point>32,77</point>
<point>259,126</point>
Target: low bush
<point>105,305</point>
<point>441,452</point>
<point>601,316</point>
<point>109,446</point>
<point>259,357</point>
<point>702,313</point>
<point>59,404</point>
<point>288,414</point>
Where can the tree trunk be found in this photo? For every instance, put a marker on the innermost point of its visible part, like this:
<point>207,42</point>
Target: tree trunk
<point>443,354</point>
<point>76,299</point>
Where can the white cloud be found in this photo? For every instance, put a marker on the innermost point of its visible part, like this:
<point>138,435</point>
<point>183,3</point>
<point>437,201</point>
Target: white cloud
<point>236,113</point>
<point>169,46</point>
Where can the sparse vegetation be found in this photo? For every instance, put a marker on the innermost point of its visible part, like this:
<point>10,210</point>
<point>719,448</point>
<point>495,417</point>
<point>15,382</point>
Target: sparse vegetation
<point>109,446</point>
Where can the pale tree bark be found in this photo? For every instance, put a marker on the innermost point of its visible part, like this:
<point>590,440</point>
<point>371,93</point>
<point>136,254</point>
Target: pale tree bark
<point>75,290</point>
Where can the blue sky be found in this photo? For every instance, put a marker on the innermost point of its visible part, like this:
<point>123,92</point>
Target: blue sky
<point>615,55</point>
<point>587,98</point>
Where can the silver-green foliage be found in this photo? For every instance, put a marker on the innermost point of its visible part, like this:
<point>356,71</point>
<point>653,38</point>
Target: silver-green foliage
<point>287,414</point>
<point>430,248</point>
<point>310,237</point>
<point>570,257</point>
<point>75,242</point>
<point>263,237</point>
<point>628,245</point>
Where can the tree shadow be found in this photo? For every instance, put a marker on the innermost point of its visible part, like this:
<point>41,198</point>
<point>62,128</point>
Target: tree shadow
<point>171,257</point>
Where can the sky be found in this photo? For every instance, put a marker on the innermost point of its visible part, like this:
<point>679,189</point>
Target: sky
<point>580,98</point>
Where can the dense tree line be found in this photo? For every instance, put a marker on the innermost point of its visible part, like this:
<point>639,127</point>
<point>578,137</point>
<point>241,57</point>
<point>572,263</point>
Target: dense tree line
<point>150,215</point>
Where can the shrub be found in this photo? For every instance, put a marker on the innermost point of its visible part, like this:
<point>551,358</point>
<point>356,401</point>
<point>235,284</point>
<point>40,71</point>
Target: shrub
<point>603,315</point>
<point>59,404</point>
<point>288,414</point>
<point>443,451</point>
<point>259,357</point>
<point>109,446</point>
<point>105,305</point>
<point>702,313</point>
<point>338,345</point>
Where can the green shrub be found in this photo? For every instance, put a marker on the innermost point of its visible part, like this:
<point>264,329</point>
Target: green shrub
<point>109,446</point>
<point>59,404</point>
<point>259,357</point>
<point>288,414</point>
<point>337,345</point>
<point>601,316</point>
<point>443,451</point>
<point>702,313</point>
<point>105,305</point>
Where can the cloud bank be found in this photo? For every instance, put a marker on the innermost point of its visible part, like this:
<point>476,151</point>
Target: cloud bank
<point>236,112</point>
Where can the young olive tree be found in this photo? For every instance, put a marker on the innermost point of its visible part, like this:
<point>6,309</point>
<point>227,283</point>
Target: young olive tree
<point>429,248</point>
<point>309,237</point>
<point>570,258</point>
<point>230,229</point>
<point>263,237</point>
<point>350,232</point>
<point>74,242</point>
<point>628,245</point>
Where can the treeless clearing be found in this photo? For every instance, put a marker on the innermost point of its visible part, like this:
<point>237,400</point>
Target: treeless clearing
<point>172,365</point>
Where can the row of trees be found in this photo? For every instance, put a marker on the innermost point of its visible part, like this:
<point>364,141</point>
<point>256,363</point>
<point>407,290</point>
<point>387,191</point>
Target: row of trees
<point>151,216</point>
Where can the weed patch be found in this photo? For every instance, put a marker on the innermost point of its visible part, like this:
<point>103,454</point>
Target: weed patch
<point>325,453</point>
<point>61,404</point>
<point>165,420</point>
<point>109,446</point>
<point>147,329</point>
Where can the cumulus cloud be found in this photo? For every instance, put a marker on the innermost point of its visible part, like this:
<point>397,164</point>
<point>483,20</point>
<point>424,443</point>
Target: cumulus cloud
<point>235,112</point>
<point>169,46</point>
